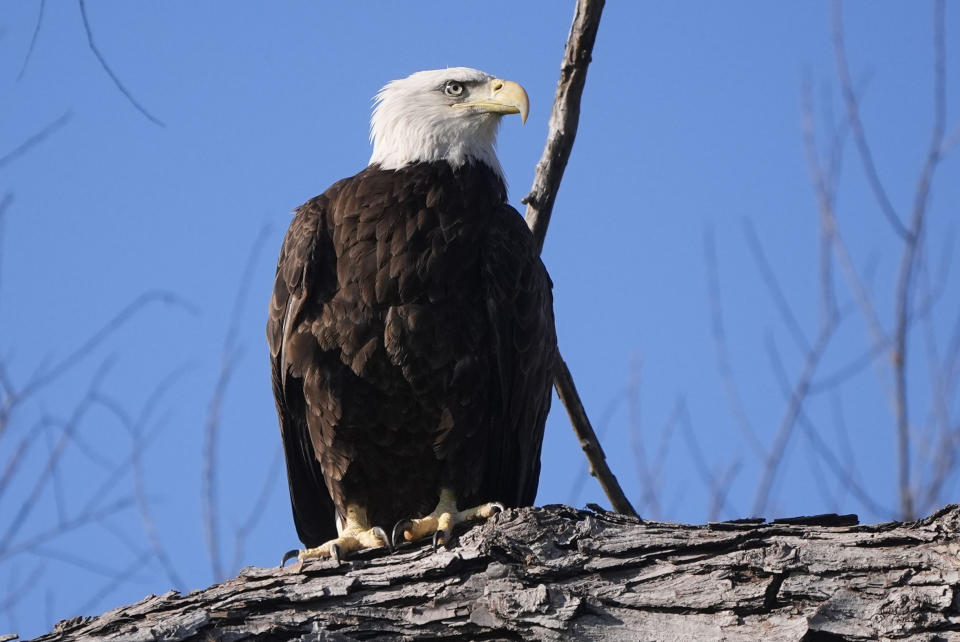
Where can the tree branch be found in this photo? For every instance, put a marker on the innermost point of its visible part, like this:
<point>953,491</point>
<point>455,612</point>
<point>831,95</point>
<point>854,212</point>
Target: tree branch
<point>546,183</point>
<point>558,573</point>
<point>113,76</point>
<point>564,118</point>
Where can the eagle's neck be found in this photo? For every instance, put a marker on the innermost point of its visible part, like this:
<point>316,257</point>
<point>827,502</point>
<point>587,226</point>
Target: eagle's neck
<point>473,181</point>
<point>400,141</point>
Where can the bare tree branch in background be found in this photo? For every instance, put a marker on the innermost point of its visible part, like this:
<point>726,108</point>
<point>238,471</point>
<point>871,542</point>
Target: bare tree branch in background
<point>33,39</point>
<point>135,428</point>
<point>912,236</point>
<point>915,295</point>
<point>27,475</point>
<point>113,76</point>
<point>242,532</point>
<point>546,183</point>
<point>4,206</point>
<point>717,485</point>
<point>229,356</point>
<point>34,140</point>
<point>730,388</point>
<point>853,117</point>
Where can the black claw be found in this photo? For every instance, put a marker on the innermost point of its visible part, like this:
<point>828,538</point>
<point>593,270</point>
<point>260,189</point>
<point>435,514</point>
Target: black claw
<point>500,507</point>
<point>335,553</point>
<point>441,538</point>
<point>289,555</point>
<point>382,534</point>
<point>398,529</point>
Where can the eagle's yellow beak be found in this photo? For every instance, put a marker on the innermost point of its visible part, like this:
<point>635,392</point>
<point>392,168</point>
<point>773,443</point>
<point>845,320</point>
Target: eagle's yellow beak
<point>503,97</point>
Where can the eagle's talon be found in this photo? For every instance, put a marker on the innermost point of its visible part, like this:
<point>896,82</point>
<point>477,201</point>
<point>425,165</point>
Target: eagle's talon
<point>382,534</point>
<point>498,507</point>
<point>401,526</point>
<point>335,553</point>
<point>289,555</point>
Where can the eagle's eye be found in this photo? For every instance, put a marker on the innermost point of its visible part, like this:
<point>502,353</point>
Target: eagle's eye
<point>452,88</point>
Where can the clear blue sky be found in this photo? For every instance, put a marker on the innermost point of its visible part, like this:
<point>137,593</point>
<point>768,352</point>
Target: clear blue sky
<point>691,122</point>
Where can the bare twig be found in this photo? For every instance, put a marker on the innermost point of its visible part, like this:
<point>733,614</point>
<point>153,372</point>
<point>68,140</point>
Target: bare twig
<point>47,552</point>
<point>731,390</point>
<point>46,473</point>
<point>908,264</point>
<point>845,473</point>
<point>113,76</point>
<point>228,359</point>
<point>4,206</point>
<point>605,416</point>
<point>60,368</point>
<point>719,487</point>
<point>853,116</point>
<point>546,183</point>
<point>660,457</point>
<point>773,286</point>
<point>34,140</point>
<point>135,428</point>
<point>256,510</point>
<point>13,462</point>
<point>649,504</point>
<point>33,39</point>
<point>117,580</point>
<point>564,118</point>
<point>588,441</point>
<point>794,408</point>
<point>84,518</point>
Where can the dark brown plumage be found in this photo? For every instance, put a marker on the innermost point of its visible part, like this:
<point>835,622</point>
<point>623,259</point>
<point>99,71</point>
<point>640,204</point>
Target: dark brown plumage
<point>412,345</point>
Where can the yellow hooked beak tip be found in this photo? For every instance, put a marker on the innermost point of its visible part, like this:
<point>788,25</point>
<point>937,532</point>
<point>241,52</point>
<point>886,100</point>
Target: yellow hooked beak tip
<point>503,97</point>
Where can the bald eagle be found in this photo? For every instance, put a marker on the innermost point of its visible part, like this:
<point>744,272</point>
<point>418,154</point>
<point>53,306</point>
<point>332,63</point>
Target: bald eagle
<point>411,328</point>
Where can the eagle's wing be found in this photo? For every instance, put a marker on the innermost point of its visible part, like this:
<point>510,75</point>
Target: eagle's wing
<point>306,278</point>
<point>519,306</point>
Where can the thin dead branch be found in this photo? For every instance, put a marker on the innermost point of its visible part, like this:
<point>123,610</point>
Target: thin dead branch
<point>109,71</point>
<point>730,388</point>
<point>844,472</point>
<point>546,183</point>
<point>256,511</point>
<point>908,264</point>
<point>135,428</point>
<point>34,140</point>
<point>229,356</point>
<point>46,473</point>
<point>717,485</point>
<point>773,286</point>
<point>51,374</point>
<point>793,410</point>
<point>4,206</point>
<point>83,518</point>
<point>564,118</point>
<point>33,39</point>
<point>856,125</point>
<point>589,442</point>
<point>649,495</point>
<point>605,417</point>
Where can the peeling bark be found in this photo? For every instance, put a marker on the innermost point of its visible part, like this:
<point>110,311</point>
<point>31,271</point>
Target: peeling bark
<point>557,573</point>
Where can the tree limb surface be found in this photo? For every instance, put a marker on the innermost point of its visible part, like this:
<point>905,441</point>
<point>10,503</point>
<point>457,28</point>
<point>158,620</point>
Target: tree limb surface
<point>557,573</point>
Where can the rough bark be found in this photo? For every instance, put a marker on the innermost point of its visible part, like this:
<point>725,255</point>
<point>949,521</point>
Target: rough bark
<point>558,573</point>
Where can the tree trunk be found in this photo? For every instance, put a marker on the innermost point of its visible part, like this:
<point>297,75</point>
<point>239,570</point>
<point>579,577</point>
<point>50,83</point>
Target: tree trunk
<point>557,573</point>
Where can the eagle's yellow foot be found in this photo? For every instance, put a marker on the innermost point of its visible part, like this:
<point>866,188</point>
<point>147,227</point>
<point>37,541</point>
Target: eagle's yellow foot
<point>441,522</point>
<point>353,538</point>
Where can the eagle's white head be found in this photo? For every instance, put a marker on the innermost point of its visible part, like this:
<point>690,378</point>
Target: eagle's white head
<point>445,114</point>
